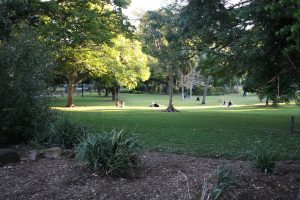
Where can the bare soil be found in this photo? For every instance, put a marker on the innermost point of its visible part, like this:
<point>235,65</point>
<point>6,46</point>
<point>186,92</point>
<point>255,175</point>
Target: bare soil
<point>162,176</point>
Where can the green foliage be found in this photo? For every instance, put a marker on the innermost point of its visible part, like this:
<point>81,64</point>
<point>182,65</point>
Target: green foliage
<point>25,72</point>
<point>78,29</point>
<point>125,62</point>
<point>112,153</point>
<point>212,91</point>
<point>255,39</point>
<point>15,12</point>
<point>63,133</point>
<point>264,158</point>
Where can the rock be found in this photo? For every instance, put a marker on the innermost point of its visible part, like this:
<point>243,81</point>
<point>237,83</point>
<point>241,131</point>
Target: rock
<point>52,153</point>
<point>9,156</point>
<point>34,155</point>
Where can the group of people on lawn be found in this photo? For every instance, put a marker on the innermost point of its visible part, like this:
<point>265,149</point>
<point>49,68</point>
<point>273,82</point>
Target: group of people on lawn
<point>227,104</point>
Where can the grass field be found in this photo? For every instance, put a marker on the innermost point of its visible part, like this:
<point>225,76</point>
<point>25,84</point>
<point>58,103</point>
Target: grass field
<point>210,130</point>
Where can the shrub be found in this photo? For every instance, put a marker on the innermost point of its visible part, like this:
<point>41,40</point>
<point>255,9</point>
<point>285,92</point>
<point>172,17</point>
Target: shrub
<point>25,67</point>
<point>264,158</point>
<point>112,153</point>
<point>66,133</point>
<point>62,133</point>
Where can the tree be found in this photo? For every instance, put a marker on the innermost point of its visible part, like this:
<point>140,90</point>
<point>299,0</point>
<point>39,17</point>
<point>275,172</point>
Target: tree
<point>159,32</point>
<point>258,39</point>
<point>192,79</point>
<point>78,28</point>
<point>125,63</point>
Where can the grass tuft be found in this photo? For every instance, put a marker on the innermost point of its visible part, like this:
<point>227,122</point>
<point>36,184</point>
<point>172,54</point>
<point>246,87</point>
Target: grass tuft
<point>264,157</point>
<point>113,153</point>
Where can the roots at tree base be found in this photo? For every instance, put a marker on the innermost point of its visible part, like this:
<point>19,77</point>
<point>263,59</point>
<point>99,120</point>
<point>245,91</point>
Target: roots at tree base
<point>171,109</point>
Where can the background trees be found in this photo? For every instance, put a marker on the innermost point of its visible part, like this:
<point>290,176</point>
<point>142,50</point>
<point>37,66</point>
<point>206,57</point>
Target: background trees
<point>78,29</point>
<point>192,79</point>
<point>252,38</point>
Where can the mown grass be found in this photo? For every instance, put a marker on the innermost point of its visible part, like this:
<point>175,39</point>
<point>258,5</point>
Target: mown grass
<point>203,130</point>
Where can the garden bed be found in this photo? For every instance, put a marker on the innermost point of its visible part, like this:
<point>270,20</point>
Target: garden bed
<point>163,176</point>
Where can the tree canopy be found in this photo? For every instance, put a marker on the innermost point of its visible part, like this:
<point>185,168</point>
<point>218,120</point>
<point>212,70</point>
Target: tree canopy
<point>254,38</point>
<point>126,64</point>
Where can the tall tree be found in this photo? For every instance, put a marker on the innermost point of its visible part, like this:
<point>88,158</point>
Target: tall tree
<point>160,35</point>
<point>78,28</point>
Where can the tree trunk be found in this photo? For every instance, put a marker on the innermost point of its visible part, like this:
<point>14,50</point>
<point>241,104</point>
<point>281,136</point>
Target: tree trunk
<point>115,93</point>
<point>205,90</point>
<point>182,93</point>
<point>267,100</point>
<point>106,92</point>
<point>170,106</point>
<point>99,90</point>
<point>191,93</point>
<point>72,82</point>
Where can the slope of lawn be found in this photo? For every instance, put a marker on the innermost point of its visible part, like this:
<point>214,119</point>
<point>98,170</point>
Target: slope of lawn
<point>204,130</point>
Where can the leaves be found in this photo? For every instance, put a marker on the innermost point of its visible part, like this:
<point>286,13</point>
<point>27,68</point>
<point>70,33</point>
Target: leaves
<point>125,62</point>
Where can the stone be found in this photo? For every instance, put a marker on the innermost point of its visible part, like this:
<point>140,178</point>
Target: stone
<point>9,156</point>
<point>52,153</point>
<point>34,155</point>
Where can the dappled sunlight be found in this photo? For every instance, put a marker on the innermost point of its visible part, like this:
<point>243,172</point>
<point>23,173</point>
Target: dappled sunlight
<point>89,108</point>
<point>246,108</point>
<point>250,110</point>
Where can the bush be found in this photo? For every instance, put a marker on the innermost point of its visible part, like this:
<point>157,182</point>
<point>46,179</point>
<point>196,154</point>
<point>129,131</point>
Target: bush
<point>66,133</point>
<point>111,153</point>
<point>62,133</point>
<point>25,69</point>
<point>264,158</point>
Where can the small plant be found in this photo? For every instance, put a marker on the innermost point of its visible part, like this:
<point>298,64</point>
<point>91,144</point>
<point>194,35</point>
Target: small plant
<point>225,179</point>
<point>264,158</point>
<point>112,153</point>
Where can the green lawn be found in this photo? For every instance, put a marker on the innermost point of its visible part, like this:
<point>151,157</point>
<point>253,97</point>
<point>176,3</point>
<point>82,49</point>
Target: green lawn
<point>210,130</point>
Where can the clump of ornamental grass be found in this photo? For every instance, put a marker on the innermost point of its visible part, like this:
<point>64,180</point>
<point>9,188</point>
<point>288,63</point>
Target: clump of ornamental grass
<point>264,158</point>
<point>110,153</point>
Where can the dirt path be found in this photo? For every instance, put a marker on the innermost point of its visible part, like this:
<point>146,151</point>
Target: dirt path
<point>164,177</point>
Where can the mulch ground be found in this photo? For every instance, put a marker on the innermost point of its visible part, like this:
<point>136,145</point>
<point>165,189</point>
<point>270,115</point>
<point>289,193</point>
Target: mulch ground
<point>162,176</point>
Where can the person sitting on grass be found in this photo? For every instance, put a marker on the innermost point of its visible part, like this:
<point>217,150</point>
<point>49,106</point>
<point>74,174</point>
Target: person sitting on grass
<point>120,104</point>
<point>230,103</point>
<point>153,104</point>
